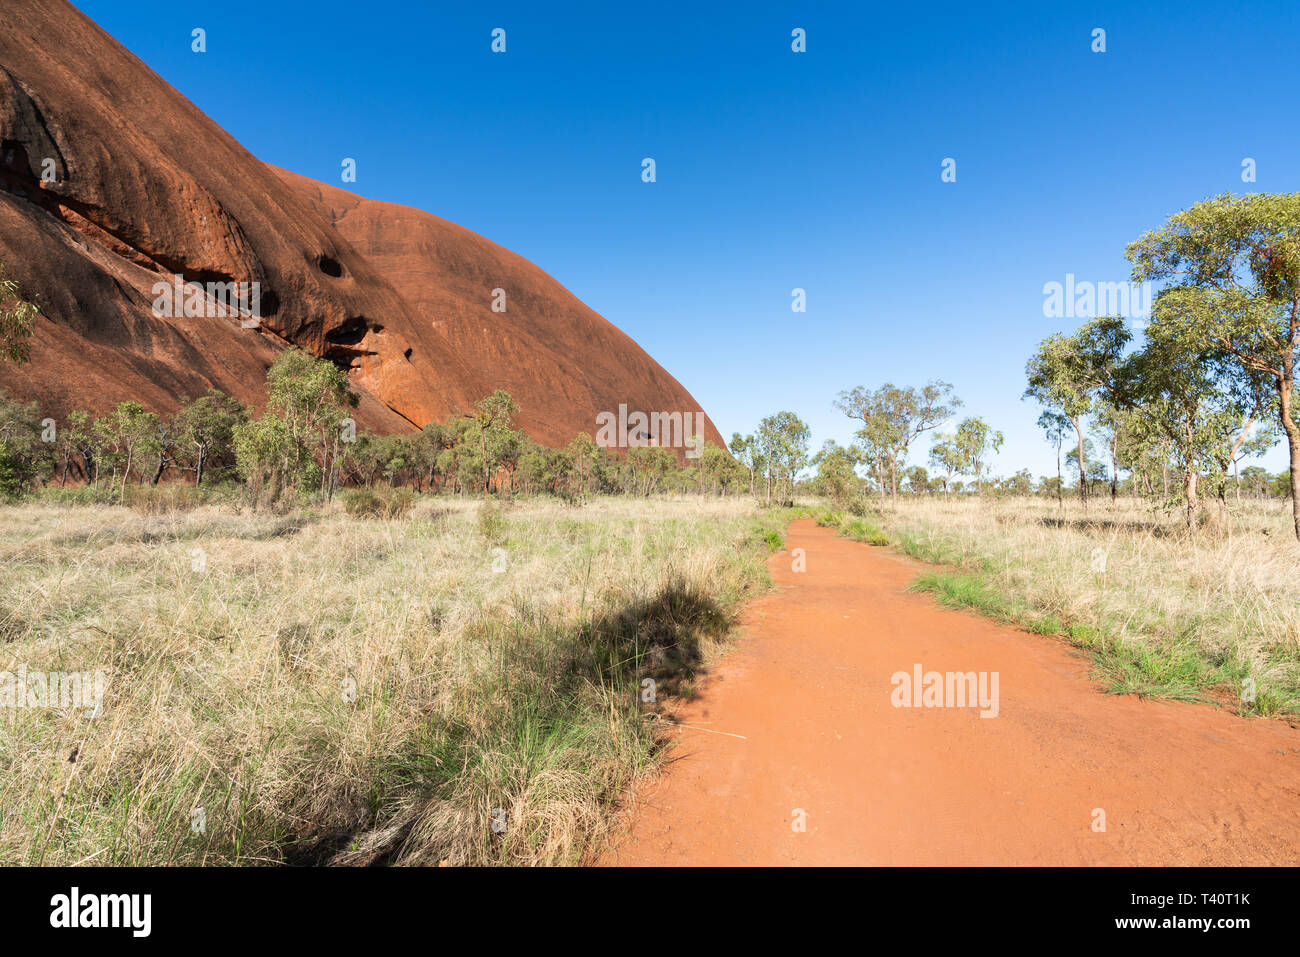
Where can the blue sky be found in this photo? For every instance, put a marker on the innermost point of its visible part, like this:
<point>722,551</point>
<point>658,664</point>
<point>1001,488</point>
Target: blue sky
<point>775,170</point>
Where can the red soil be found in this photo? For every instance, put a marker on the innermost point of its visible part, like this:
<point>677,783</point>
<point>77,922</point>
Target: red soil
<point>800,717</point>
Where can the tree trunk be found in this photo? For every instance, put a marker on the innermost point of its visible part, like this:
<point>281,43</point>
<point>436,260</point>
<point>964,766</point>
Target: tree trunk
<point>1060,481</point>
<point>1083,481</point>
<point>1293,444</point>
<point>126,473</point>
<point>1189,491</point>
<point>1114,469</point>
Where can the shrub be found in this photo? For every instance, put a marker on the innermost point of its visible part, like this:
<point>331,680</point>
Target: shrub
<point>381,502</point>
<point>492,522</point>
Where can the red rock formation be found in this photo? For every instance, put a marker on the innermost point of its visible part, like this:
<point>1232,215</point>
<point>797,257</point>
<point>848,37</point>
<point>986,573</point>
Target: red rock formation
<point>562,362</point>
<point>144,186</point>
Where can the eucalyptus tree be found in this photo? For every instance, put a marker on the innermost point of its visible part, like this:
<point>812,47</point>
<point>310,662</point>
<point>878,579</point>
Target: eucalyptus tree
<point>491,431</point>
<point>313,397</point>
<point>1234,262</point>
<point>1181,386</point>
<point>976,440</point>
<point>1054,425</point>
<point>894,417</point>
<point>836,478</point>
<point>1068,373</point>
<point>946,457</point>
<point>205,430</point>
<point>745,449</point>
<point>783,439</point>
<point>125,436</point>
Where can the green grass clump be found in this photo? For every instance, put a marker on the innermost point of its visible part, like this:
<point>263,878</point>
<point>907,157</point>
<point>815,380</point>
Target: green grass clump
<point>856,527</point>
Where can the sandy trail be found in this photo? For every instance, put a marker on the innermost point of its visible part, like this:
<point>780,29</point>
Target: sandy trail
<point>809,691</point>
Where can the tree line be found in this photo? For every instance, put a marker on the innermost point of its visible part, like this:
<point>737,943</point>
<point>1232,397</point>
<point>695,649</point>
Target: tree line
<point>305,443</point>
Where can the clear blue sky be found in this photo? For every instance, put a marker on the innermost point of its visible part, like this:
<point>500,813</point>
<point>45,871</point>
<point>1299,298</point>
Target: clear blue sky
<point>776,170</point>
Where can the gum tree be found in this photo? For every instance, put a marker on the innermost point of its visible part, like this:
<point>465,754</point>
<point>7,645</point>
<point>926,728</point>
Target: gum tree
<point>1183,390</point>
<point>946,457</point>
<point>976,440</point>
<point>205,429</point>
<point>783,440</point>
<point>493,434</point>
<point>125,436</point>
<point>1054,426</point>
<point>1067,374</point>
<point>25,460</point>
<point>892,418</point>
<point>747,453</point>
<point>313,397</point>
<point>1233,263</point>
<point>836,477</point>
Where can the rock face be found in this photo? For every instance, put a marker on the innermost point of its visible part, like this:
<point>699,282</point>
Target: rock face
<point>562,362</point>
<point>112,182</point>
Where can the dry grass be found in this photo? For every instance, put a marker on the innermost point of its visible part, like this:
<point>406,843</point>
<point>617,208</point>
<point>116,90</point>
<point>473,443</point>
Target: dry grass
<point>323,688</point>
<point>1176,612</point>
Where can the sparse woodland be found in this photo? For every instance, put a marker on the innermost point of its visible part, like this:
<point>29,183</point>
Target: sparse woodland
<point>467,637</point>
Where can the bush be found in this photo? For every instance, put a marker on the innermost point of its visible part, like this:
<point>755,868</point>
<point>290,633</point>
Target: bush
<point>381,502</point>
<point>492,522</point>
<point>829,518</point>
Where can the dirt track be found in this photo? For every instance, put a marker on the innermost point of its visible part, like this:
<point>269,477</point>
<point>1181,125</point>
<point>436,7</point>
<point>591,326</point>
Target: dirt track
<point>808,692</point>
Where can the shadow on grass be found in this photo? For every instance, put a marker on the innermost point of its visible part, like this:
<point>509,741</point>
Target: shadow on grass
<point>555,699</point>
<point>1150,526</point>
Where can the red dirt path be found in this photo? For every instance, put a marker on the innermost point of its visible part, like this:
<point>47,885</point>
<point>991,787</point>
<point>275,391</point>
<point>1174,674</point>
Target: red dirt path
<point>809,690</point>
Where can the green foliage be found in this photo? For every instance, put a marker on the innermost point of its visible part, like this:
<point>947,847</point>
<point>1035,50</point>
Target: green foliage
<point>16,318</point>
<point>125,437</point>
<point>858,528</point>
<point>25,460</point>
<point>1229,312</point>
<point>783,442</point>
<point>892,418</point>
<point>266,456</point>
<point>492,522</point>
<point>836,478</point>
<point>946,456</point>
<point>746,450</point>
<point>312,398</point>
<point>204,432</point>
<point>861,530</point>
<point>975,441</point>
